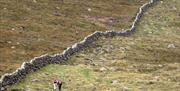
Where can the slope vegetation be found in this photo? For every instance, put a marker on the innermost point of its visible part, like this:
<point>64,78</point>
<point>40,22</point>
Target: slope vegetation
<point>30,28</point>
<point>148,60</point>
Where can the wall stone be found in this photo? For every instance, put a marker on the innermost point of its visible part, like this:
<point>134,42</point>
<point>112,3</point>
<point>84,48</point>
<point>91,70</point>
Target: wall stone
<point>39,62</point>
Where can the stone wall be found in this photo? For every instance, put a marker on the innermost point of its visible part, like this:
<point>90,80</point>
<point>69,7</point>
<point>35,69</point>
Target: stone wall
<point>39,62</point>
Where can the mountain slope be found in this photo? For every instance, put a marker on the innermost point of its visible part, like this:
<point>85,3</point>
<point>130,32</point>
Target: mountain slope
<point>30,28</point>
<point>148,60</point>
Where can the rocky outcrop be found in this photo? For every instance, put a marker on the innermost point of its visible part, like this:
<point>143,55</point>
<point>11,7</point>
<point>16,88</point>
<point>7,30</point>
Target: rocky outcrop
<point>39,62</point>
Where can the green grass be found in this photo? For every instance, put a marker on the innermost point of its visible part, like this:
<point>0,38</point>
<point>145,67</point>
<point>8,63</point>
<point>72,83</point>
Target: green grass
<point>142,61</point>
<point>29,29</point>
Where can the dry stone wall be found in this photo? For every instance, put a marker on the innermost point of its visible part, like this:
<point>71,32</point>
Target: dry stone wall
<point>39,62</point>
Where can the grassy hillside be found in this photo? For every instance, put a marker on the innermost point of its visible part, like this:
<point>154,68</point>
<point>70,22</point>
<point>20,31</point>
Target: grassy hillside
<point>30,28</point>
<point>149,60</point>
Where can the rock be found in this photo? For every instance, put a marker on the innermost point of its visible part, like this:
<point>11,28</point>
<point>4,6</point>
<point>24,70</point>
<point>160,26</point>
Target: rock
<point>157,78</point>
<point>160,65</point>
<point>171,46</point>
<point>2,89</point>
<point>12,47</point>
<point>57,7</point>
<point>123,48</point>
<point>161,1</point>
<point>89,9</point>
<point>114,82</point>
<point>17,43</point>
<point>57,14</point>
<point>113,68</point>
<point>125,89</point>
<point>13,29</point>
<point>150,32</point>
<point>34,1</point>
<point>9,42</point>
<point>102,69</point>
<point>174,8</point>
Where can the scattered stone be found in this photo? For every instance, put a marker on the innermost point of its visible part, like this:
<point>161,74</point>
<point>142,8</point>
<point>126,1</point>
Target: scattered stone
<point>169,79</point>
<point>2,89</point>
<point>13,47</point>
<point>148,65</point>
<point>22,28</point>
<point>150,32</point>
<point>34,1</point>
<point>89,9</point>
<point>102,69</point>
<point>174,8</point>
<point>13,29</point>
<point>176,63</point>
<point>123,48</point>
<point>157,78</point>
<point>17,43</point>
<point>9,42</point>
<point>160,65</point>
<point>114,82</point>
<point>171,46</point>
<point>125,89</point>
<point>57,13</point>
<point>161,1</point>
<point>57,7</point>
<point>113,68</point>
